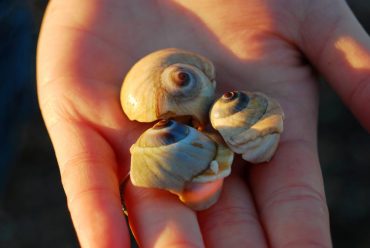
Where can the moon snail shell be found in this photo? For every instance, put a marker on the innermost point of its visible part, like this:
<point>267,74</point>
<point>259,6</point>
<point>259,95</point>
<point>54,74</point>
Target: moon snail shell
<point>169,83</point>
<point>182,160</point>
<point>250,123</point>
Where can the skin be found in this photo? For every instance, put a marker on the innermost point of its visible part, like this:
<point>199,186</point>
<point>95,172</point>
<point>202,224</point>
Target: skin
<point>86,48</point>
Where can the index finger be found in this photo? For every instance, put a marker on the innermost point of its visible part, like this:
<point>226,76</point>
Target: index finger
<point>89,176</point>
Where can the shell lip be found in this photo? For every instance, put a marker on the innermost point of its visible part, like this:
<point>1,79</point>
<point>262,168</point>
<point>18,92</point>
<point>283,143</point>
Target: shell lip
<point>220,166</point>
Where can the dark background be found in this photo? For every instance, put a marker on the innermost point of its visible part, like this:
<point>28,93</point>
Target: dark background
<point>33,211</point>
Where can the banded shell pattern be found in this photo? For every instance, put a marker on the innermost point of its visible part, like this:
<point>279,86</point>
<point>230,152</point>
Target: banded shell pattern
<point>176,157</point>
<point>173,86</point>
<point>250,123</point>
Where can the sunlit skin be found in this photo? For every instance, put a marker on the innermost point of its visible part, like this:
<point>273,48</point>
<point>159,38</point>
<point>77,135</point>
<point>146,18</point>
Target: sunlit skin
<point>86,48</point>
<point>201,194</point>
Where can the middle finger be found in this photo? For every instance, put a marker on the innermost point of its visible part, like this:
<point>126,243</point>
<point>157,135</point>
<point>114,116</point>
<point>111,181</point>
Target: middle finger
<point>159,219</point>
<point>233,221</point>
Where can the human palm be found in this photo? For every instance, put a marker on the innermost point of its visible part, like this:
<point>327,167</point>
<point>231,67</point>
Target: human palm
<point>85,49</point>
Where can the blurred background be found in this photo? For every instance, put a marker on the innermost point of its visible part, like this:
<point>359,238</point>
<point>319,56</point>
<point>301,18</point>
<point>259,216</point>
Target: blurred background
<point>33,211</point>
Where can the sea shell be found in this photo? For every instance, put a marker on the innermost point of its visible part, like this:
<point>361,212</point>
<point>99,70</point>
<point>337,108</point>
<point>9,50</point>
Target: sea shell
<point>182,160</point>
<point>250,123</point>
<point>168,83</point>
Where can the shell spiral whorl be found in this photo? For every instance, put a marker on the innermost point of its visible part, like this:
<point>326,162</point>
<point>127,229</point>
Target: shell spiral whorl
<point>169,83</point>
<point>164,132</point>
<point>173,85</point>
<point>174,153</point>
<point>250,123</point>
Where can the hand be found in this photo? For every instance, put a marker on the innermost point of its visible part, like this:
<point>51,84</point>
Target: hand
<point>85,49</point>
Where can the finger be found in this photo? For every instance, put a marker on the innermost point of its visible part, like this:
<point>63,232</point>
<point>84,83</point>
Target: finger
<point>233,220</point>
<point>339,47</point>
<point>159,219</point>
<point>289,194</point>
<point>88,171</point>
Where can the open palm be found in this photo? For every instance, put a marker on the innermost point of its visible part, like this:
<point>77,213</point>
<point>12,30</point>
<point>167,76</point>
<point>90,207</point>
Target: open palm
<point>85,50</point>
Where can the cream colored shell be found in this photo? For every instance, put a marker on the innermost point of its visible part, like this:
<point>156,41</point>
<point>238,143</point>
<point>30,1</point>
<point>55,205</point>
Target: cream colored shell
<point>250,123</point>
<point>173,156</point>
<point>220,166</point>
<point>167,83</point>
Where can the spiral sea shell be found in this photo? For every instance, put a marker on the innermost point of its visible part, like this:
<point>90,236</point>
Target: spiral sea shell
<point>175,86</point>
<point>250,123</point>
<point>167,84</point>
<point>182,160</point>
